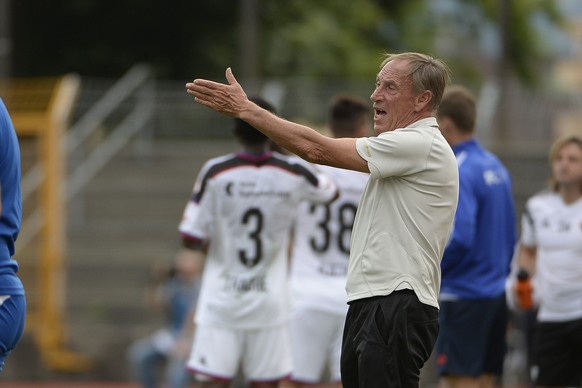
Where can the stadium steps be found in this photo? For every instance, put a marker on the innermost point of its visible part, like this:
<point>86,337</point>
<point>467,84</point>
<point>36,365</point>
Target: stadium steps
<point>125,220</point>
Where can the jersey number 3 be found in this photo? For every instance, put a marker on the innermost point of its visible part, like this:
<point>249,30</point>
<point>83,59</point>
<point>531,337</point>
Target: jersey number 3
<point>254,218</point>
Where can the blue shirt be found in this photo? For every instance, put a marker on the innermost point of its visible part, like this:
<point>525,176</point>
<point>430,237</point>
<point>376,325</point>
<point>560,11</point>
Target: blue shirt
<point>11,212</point>
<point>477,258</point>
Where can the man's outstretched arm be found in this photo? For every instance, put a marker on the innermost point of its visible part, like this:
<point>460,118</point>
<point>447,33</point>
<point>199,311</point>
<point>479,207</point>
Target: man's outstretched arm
<point>230,99</point>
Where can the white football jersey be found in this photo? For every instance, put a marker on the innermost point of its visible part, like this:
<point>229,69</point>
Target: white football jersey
<point>321,245</point>
<point>245,207</point>
<point>555,228</point>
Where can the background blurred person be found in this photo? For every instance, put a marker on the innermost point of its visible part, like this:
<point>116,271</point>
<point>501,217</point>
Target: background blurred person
<point>319,262</point>
<point>403,221</point>
<point>174,292</point>
<point>12,298</point>
<point>550,250</point>
<point>242,210</point>
<point>471,345</point>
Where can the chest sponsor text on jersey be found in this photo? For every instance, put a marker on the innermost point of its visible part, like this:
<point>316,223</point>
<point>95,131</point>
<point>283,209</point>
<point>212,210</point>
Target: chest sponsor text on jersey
<point>250,189</point>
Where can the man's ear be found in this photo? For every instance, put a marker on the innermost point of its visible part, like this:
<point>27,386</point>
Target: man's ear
<point>422,100</point>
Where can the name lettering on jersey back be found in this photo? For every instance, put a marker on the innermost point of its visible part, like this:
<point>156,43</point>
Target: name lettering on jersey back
<point>250,189</point>
<point>238,284</point>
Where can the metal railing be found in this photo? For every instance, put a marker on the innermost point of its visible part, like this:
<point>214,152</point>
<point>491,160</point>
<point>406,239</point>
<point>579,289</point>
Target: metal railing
<point>137,81</point>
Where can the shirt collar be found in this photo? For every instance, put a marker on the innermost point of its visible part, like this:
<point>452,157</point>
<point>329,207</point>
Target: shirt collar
<point>426,122</point>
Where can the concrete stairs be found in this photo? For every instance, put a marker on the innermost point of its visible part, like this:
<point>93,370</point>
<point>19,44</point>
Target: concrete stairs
<point>129,220</point>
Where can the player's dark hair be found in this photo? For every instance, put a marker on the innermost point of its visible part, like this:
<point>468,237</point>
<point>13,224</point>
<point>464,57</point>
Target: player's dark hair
<point>347,114</point>
<point>246,132</point>
<point>459,104</point>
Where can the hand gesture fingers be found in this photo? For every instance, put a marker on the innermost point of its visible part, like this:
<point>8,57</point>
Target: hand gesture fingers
<point>224,98</point>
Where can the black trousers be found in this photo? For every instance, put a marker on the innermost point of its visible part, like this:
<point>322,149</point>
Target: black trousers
<point>387,340</point>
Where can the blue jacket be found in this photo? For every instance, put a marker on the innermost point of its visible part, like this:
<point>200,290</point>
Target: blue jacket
<point>477,259</point>
<point>11,211</point>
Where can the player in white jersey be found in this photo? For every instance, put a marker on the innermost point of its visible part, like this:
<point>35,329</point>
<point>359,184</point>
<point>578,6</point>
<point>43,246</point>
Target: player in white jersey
<point>242,209</point>
<point>551,250</point>
<point>319,264</point>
